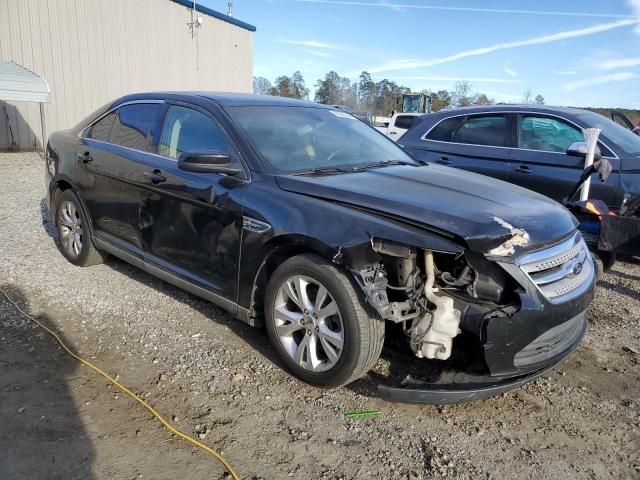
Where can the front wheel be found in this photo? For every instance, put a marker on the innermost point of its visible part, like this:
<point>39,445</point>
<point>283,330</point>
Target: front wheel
<point>318,325</point>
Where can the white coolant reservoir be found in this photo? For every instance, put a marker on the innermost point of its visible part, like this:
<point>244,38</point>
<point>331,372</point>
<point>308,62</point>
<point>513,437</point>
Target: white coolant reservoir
<point>434,338</point>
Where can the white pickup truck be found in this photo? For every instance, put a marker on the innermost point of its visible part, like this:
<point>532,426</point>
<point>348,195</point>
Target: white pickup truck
<point>398,124</point>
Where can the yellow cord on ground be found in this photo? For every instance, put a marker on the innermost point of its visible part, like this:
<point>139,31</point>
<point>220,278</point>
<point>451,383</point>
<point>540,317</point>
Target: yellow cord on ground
<point>125,390</point>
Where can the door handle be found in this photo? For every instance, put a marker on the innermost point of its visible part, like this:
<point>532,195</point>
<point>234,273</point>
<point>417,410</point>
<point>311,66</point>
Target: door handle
<point>85,157</point>
<point>155,176</point>
<point>523,169</point>
<point>444,161</point>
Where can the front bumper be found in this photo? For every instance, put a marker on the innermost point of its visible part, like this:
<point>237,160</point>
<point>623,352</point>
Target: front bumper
<point>503,347</point>
<point>479,387</point>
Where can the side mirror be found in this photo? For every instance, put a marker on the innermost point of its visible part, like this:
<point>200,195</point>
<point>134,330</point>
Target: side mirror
<point>579,149</point>
<point>207,162</point>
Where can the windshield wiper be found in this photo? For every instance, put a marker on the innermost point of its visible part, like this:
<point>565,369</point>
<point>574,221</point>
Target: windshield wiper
<point>384,163</point>
<point>324,171</point>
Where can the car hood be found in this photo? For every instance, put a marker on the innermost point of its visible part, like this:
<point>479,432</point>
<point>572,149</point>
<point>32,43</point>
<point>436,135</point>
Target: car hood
<point>476,208</point>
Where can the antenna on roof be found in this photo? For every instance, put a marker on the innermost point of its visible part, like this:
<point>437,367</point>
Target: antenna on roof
<point>230,9</point>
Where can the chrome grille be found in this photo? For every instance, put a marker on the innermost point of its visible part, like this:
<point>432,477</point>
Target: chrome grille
<point>559,270</point>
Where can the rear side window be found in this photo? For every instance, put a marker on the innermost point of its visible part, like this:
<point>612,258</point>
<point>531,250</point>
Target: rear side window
<point>404,121</point>
<point>132,125</point>
<point>488,130</point>
<point>443,132</point>
<point>547,134</point>
<point>100,130</point>
<point>186,129</point>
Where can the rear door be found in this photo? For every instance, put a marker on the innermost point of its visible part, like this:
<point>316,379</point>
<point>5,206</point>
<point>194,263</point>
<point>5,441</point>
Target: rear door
<point>478,143</point>
<point>192,222</point>
<point>540,163</point>
<point>109,171</point>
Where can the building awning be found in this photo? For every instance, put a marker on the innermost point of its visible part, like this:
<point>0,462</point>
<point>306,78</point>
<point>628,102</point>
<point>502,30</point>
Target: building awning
<point>19,84</point>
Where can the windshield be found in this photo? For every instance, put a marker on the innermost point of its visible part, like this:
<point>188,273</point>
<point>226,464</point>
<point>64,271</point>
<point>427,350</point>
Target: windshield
<point>298,139</point>
<point>622,137</point>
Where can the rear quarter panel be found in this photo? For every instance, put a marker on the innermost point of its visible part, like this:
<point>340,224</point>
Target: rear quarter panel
<point>60,161</point>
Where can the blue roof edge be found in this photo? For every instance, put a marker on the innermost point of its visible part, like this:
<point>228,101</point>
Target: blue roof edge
<point>215,14</point>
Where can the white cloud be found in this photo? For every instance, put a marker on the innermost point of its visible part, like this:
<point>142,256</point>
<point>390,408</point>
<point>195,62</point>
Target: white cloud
<point>618,63</point>
<point>317,53</point>
<point>510,71</point>
<point>400,6</point>
<point>544,39</point>
<point>312,44</point>
<point>589,82</point>
<point>392,6</point>
<point>565,72</point>
<point>455,79</point>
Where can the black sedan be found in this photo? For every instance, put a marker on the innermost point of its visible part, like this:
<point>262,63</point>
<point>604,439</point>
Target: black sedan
<point>533,146</point>
<point>302,217</point>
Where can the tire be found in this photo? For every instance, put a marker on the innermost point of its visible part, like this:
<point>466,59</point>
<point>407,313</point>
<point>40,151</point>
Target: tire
<point>608,260</point>
<point>603,261</point>
<point>73,232</point>
<point>598,264</point>
<point>321,362</point>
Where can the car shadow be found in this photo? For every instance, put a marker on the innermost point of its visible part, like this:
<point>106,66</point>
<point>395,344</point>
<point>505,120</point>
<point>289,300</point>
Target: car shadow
<point>634,260</point>
<point>400,367</point>
<point>621,289</point>
<point>624,275</point>
<point>42,433</point>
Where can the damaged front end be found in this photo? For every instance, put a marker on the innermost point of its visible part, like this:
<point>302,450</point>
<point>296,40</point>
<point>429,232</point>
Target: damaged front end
<point>491,320</point>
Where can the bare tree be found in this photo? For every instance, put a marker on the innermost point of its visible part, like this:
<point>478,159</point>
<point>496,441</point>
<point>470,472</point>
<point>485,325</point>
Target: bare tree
<point>483,99</point>
<point>261,85</point>
<point>527,96</point>
<point>463,94</point>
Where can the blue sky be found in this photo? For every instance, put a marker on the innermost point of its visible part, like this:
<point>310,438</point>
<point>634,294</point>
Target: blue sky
<point>581,53</point>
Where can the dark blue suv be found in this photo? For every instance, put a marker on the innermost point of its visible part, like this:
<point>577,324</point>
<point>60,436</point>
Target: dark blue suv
<point>531,146</point>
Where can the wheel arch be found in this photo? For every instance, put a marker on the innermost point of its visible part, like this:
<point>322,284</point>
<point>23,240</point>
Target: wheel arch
<point>58,185</point>
<point>275,252</point>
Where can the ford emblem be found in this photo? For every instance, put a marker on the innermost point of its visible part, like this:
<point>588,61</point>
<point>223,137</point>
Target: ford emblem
<point>577,268</point>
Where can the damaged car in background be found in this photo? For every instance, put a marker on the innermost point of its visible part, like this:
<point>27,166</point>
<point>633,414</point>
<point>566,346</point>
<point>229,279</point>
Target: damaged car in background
<point>303,218</point>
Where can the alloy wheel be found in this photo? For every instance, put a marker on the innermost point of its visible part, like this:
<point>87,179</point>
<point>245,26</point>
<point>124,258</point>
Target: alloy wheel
<point>308,323</point>
<point>70,228</point>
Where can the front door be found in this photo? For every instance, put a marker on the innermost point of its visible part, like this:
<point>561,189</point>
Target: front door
<point>192,222</point>
<point>540,162</point>
<point>109,176</point>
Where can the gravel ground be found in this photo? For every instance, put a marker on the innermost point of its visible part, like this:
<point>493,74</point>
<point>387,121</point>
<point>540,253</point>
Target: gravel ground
<point>217,378</point>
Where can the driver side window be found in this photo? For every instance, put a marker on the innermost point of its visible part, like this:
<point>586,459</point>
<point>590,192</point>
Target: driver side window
<point>546,134</point>
<point>186,129</point>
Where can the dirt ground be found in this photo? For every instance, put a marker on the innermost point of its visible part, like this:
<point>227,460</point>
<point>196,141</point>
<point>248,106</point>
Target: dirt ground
<point>217,377</point>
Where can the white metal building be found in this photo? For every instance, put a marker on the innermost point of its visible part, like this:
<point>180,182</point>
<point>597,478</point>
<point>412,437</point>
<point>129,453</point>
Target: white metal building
<point>93,51</point>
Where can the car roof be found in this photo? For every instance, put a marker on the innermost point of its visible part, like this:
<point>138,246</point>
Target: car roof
<point>510,108</point>
<point>225,99</point>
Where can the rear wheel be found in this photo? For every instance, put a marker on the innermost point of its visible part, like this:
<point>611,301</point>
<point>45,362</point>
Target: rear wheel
<point>73,232</point>
<point>316,322</point>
